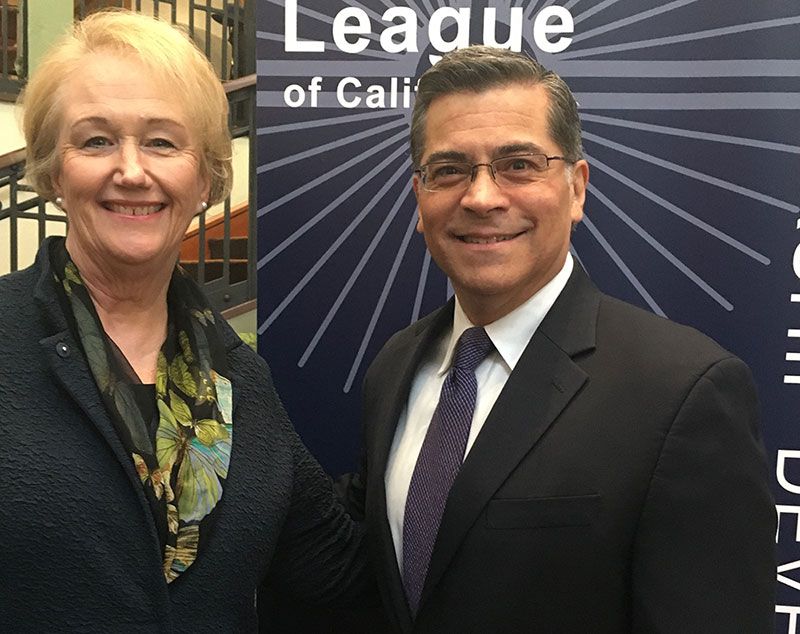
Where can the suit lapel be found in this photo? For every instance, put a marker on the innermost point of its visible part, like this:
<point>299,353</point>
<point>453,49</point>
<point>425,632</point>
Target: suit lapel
<point>542,384</point>
<point>386,420</point>
<point>384,414</point>
<point>383,421</point>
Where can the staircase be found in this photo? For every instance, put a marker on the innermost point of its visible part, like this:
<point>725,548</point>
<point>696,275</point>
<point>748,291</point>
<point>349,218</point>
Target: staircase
<point>213,252</point>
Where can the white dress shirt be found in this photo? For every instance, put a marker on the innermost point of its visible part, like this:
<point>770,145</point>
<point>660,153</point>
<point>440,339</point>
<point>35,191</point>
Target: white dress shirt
<point>510,335</point>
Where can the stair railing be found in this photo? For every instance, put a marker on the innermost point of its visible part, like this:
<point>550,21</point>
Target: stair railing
<point>223,29</point>
<point>224,286</point>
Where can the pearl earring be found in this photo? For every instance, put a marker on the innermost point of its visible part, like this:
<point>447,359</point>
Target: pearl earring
<point>204,205</point>
<point>59,201</point>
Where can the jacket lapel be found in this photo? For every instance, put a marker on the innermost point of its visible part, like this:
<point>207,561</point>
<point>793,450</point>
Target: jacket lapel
<point>405,360</point>
<point>65,357</point>
<point>67,362</point>
<point>383,423</point>
<point>542,384</point>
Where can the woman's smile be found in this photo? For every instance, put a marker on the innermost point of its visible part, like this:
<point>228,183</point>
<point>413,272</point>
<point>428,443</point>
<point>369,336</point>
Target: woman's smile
<point>134,209</point>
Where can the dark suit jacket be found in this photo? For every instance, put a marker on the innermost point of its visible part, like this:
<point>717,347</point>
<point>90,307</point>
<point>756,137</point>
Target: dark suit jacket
<point>619,484</point>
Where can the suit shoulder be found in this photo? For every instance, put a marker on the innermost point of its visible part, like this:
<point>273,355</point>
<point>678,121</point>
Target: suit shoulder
<point>397,339</point>
<point>15,294</point>
<point>638,332</point>
<point>18,280</point>
<point>401,337</point>
<point>402,348</point>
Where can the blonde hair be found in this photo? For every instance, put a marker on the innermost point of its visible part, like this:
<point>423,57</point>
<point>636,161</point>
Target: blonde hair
<point>167,53</point>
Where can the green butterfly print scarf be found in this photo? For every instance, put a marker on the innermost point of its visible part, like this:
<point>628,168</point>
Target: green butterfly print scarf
<point>180,448</point>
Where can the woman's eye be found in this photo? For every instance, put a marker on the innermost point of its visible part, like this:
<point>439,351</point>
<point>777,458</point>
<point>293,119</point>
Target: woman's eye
<point>162,143</point>
<point>97,141</point>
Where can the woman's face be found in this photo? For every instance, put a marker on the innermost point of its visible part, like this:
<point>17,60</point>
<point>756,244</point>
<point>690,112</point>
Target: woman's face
<point>129,174</point>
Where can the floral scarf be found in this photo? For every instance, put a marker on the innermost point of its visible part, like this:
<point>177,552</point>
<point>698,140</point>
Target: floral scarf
<point>181,447</point>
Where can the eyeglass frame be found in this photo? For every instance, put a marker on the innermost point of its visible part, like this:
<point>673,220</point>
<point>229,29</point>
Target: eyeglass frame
<point>474,169</point>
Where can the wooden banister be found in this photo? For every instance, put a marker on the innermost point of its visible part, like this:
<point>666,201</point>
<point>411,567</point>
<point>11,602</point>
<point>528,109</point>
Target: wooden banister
<point>237,84</point>
<point>11,158</point>
<point>216,229</point>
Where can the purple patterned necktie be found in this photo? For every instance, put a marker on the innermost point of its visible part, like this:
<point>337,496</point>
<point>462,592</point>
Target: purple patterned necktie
<point>439,460</point>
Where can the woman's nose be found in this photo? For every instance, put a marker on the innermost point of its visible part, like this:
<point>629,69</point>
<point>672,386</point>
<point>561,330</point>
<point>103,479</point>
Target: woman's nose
<point>131,171</point>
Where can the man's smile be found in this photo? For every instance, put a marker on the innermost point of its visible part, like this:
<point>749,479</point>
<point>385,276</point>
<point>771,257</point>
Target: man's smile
<point>473,239</point>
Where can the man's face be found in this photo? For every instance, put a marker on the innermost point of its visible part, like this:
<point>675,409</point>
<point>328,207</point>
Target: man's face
<point>498,245</point>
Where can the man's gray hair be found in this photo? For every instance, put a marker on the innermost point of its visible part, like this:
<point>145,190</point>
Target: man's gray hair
<point>479,68</point>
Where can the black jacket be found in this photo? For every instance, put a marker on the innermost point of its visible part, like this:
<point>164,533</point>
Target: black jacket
<point>618,486</point>
<point>78,546</point>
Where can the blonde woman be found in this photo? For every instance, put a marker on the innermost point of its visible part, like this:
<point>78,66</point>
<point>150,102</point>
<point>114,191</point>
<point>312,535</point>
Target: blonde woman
<point>151,481</point>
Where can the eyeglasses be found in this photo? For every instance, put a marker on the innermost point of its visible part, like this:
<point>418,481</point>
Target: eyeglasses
<point>507,171</point>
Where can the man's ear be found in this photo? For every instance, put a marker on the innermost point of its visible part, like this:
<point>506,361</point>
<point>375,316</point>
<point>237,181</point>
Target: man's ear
<point>580,179</point>
<point>416,184</point>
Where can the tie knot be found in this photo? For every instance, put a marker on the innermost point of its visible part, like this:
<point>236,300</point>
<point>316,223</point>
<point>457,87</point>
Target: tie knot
<point>472,347</point>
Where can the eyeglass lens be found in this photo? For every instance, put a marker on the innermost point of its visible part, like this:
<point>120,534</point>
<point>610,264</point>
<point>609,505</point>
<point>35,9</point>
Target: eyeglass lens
<point>507,171</point>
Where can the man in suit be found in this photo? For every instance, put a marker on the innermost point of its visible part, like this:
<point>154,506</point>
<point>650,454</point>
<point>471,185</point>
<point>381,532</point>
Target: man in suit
<point>609,473</point>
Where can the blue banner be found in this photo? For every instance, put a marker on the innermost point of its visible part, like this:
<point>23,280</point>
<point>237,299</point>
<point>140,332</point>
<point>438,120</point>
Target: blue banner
<point>691,119</point>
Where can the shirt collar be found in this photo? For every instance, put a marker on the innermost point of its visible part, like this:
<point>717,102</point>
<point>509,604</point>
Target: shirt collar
<point>511,333</point>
